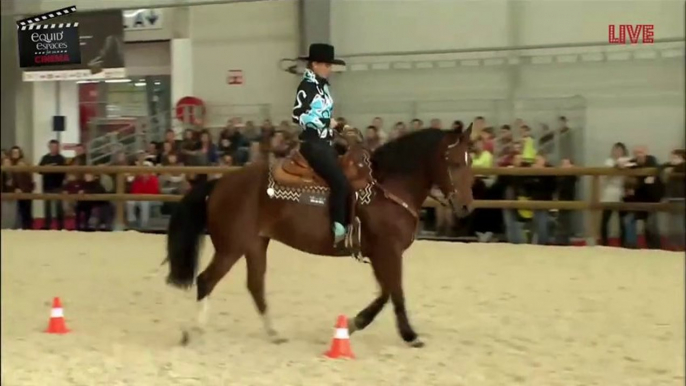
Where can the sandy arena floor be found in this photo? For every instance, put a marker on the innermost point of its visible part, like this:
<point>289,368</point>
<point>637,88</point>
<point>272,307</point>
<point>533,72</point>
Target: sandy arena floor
<point>491,315</point>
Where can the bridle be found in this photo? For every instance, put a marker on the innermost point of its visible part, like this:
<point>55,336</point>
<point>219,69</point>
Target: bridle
<point>447,199</point>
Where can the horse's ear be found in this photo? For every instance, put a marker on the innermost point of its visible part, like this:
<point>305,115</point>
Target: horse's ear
<point>467,134</point>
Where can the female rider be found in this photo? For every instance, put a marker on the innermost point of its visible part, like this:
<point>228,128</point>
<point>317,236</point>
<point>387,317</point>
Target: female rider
<point>312,112</point>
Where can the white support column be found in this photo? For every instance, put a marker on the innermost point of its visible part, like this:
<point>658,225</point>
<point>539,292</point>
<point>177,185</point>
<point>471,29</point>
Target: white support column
<point>181,69</point>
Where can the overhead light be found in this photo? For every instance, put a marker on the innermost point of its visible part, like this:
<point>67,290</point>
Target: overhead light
<point>381,66</point>
<point>140,84</point>
<point>541,59</point>
<point>592,57</point>
<point>645,54</point>
<point>86,81</point>
<point>494,62</point>
<point>447,64</point>
<point>424,65</point>
<point>566,58</point>
<point>470,62</point>
<point>358,67</point>
<point>158,83</point>
<point>622,55</point>
<point>402,66</point>
<point>118,81</point>
<point>672,53</point>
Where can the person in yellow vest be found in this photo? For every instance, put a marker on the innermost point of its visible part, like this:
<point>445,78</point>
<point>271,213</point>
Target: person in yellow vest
<point>481,158</point>
<point>483,219</point>
<point>528,146</point>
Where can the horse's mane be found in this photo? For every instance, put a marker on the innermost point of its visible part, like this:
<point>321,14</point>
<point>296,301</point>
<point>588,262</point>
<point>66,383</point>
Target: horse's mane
<point>406,154</point>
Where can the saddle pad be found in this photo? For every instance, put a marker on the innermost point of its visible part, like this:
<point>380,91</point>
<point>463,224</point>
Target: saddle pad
<point>312,195</point>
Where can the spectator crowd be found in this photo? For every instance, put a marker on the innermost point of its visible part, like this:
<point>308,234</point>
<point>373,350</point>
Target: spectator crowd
<point>507,146</point>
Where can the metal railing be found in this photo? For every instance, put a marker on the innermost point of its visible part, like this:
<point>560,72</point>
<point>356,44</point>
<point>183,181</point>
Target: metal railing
<point>592,203</point>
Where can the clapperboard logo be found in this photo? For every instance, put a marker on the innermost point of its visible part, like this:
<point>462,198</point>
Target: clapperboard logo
<point>42,45</point>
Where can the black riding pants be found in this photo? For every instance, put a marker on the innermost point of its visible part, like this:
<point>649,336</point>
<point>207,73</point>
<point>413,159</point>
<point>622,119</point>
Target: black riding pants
<point>323,159</point>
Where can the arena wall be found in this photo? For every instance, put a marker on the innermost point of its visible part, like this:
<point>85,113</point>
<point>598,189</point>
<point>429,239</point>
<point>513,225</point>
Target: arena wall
<point>624,96</point>
<point>251,37</point>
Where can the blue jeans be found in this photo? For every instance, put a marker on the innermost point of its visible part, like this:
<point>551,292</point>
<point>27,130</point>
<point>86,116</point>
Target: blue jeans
<point>514,230</point>
<point>650,230</point>
<point>565,227</point>
<point>540,224</point>
<point>630,233</point>
<point>677,233</point>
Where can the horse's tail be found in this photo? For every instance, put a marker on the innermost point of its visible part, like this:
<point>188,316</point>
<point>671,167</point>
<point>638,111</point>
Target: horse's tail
<point>185,233</point>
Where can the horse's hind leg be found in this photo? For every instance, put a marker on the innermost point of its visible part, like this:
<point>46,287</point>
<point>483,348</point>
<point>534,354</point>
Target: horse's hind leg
<point>218,268</point>
<point>256,259</point>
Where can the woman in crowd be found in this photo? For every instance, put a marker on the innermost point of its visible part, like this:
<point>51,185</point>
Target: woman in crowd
<point>146,183</point>
<point>208,150</point>
<point>23,183</point>
<point>167,149</point>
<point>613,191</point>
<point>189,147</point>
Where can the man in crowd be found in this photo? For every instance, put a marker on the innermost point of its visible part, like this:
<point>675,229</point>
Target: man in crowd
<point>673,174</point>
<point>238,146</point>
<point>436,124</point>
<point>378,123</point>
<point>52,183</point>
<point>645,189</point>
<point>416,125</point>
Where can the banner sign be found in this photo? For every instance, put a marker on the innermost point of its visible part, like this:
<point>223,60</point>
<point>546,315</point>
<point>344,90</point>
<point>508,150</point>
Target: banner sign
<point>81,46</point>
<point>42,45</point>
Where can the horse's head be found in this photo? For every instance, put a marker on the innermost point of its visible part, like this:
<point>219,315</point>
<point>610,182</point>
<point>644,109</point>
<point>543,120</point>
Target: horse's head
<point>453,173</point>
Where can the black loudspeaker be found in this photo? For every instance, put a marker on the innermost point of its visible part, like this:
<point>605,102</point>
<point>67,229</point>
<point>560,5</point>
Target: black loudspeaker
<point>58,122</point>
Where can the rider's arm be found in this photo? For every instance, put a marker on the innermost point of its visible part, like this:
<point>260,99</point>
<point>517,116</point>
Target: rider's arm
<point>303,114</point>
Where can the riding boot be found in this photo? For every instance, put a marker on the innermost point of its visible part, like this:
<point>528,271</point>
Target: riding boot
<point>339,233</point>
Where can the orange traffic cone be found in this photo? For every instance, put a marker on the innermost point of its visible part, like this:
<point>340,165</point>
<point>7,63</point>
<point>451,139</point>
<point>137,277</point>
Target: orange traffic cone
<point>56,324</point>
<point>340,345</point>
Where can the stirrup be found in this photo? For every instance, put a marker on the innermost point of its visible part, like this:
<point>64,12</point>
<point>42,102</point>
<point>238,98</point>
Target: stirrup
<point>353,241</point>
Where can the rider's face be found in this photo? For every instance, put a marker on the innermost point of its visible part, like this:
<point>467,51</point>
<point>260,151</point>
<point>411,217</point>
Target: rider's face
<point>321,69</point>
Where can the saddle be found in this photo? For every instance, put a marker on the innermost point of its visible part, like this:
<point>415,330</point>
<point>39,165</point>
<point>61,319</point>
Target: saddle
<point>294,170</point>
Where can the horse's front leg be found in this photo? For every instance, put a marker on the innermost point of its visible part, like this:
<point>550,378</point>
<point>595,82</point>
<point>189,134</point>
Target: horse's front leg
<point>365,317</point>
<point>387,265</point>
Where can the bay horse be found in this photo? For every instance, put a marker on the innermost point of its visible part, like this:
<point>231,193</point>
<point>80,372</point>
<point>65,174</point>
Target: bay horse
<point>286,201</point>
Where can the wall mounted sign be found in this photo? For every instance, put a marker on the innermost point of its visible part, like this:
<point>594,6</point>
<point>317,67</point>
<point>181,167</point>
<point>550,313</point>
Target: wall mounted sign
<point>143,19</point>
<point>235,78</point>
<point>44,43</point>
<point>98,37</point>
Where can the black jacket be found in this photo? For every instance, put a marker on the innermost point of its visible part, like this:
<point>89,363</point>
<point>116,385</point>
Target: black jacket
<point>566,188</point>
<point>645,191</point>
<point>52,181</point>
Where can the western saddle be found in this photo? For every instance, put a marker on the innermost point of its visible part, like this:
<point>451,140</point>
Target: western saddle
<point>294,170</point>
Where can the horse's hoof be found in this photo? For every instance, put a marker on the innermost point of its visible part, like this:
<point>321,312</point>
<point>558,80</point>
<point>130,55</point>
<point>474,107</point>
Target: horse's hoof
<point>417,343</point>
<point>352,326</point>
<point>275,338</point>
<point>185,338</point>
<point>278,340</point>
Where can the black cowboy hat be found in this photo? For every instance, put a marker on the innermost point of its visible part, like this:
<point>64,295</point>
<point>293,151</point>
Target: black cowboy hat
<point>322,53</point>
